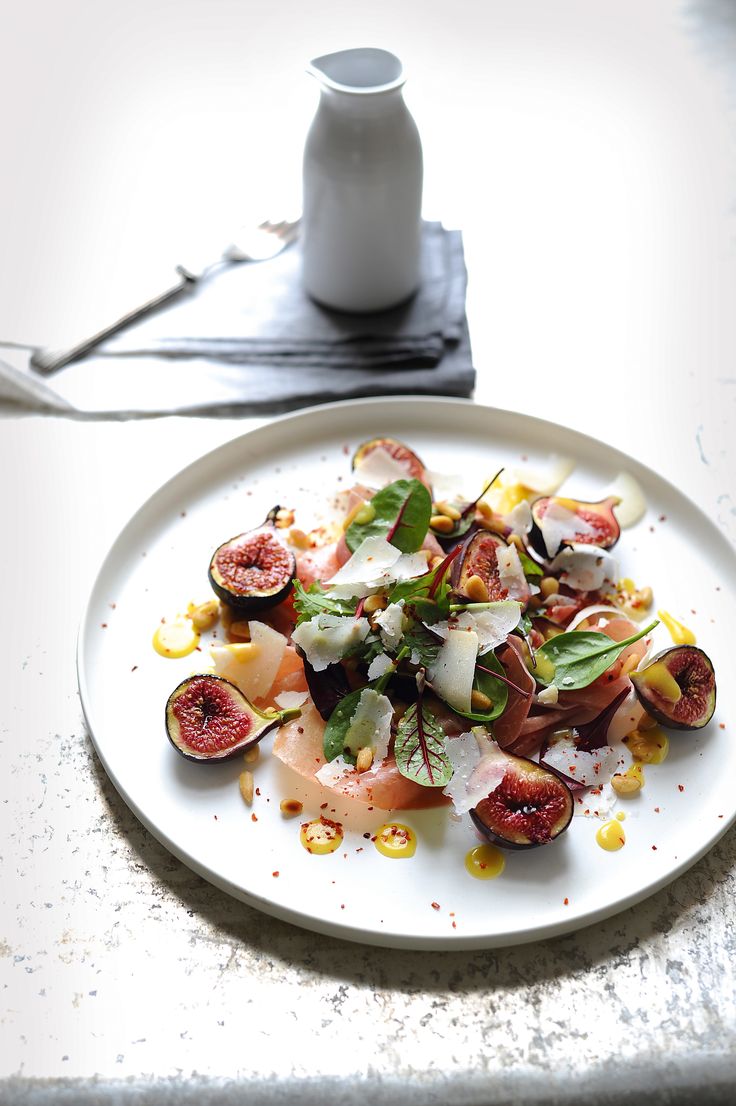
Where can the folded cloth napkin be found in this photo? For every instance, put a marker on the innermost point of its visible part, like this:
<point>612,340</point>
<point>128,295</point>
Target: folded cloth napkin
<point>249,340</point>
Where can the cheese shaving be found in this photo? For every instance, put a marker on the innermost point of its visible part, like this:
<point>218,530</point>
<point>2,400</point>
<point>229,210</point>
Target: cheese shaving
<point>326,638</point>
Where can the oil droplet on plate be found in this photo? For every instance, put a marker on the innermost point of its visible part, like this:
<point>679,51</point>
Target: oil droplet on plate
<point>175,639</point>
<point>679,633</point>
<point>396,841</point>
<point>611,836</point>
<point>485,862</point>
<point>321,836</point>
<point>621,816</point>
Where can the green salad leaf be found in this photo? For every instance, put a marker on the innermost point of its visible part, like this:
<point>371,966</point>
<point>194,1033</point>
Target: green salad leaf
<point>576,658</point>
<point>314,600</point>
<point>419,747</point>
<point>485,682</point>
<point>401,514</point>
<point>530,567</point>
<point>338,724</point>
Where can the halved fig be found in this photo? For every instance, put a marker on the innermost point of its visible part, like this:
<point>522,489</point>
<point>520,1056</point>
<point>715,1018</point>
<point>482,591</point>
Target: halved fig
<point>209,719</point>
<point>678,687</point>
<point>254,570</point>
<point>479,557</point>
<point>529,807</point>
<point>400,453</point>
<point>557,521</point>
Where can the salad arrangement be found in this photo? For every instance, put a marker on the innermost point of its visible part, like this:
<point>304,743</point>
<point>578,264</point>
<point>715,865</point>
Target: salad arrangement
<point>478,654</point>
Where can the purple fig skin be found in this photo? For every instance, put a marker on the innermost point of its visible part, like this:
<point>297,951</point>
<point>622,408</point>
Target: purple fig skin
<point>597,514</point>
<point>234,708</point>
<point>474,560</point>
<point>522,776</point>
<point>276,579</point>
<point>693,671</point>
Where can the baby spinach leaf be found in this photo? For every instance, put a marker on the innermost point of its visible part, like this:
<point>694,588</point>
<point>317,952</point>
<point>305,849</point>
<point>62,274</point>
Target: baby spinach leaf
<point>419,747</point>
<point>574,659</point>
<point>310,602</point>
<point>338,724</point>
<point>402,511</point>
<point>420,641</point>
<point>530,567</point>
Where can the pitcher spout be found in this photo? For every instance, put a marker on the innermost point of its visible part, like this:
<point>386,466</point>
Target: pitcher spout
<point>359,72</point>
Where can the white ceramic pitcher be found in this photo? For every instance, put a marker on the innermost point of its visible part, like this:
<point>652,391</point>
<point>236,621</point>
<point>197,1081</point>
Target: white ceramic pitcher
<point>361,226</point>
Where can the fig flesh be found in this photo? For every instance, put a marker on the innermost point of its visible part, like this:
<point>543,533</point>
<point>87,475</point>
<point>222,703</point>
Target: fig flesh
<point>557,521</point>
<point>678,687</point>
<point>479,557</point>
<point>253,571</point>
<point>531,806</point>
<point>399,452</point>
<point>209,719</point>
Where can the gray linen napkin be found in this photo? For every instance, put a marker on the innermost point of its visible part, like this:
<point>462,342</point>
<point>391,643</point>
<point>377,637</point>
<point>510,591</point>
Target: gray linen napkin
<point>249,339</point>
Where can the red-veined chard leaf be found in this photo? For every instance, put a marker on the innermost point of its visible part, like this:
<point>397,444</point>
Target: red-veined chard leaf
<point>419,748</point>
<point>401,514</point>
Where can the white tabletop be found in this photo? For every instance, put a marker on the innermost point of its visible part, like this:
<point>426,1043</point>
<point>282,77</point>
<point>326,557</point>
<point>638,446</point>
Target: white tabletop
<point>587,152</point>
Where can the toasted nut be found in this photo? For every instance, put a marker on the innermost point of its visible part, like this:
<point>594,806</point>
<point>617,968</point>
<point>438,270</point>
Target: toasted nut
<point>479,701</point>
<point>515,539</point>
<point>476,590</point>
<point>442,524</point>
<point>485,509</point>
<point>364,759</point>
<point>284,518</point>
<point>245,782</point>
<point>642,748</point>
<point>549,586</point>
<point>375,603</point>
<point>298,538</point>
<point>448,510</point>
<point>629,664</point>
<point>250,756</point>
<point>290,807</point>
<point>205,615</point>
<point>240,630</point>
<point>436,562</point>
<point>625,785</point>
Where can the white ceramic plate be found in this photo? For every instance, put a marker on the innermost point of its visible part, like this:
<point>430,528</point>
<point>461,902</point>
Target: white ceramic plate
<point>159,563</point>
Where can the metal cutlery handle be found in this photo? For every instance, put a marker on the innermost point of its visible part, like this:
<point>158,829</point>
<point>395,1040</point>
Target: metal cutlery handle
<point>48,360</point>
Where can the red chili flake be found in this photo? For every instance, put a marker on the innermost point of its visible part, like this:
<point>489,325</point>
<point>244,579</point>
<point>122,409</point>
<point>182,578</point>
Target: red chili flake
<point>376,835</point>
<point>566,901</point>
<point>359,850</point>
<point>454,925</point>
<point>680,787</point>
<point>103,625</point>
<point>693,611</point>
<point>435,905</point>
<point>182,514</point>
<point>214,816</point>
<point>720,815</point>
<point>452,913</point>
<point>654,848</point>
<point>258,791</point>
<point>198,648</point>
<point>656,810</point>
<point>274,874</point>
<point>323,806</point>
<point>135,666</point>
<point>370,808</point>
<point>342,905</point>
<point>113,606</point>
<point>663,518</point>
<point>254,817</point>
<point>367,836</point>
<point>651,529</point>
<point>721,725</point>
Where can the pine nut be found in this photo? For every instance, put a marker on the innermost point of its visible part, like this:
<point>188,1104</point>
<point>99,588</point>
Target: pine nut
<point>625,785</point>
<point>549,586</point>
<point>290,807</point>
<point>629,664</point>
<point>448,510</point>
<point>476,590</point>
<point>245,782</point>
<point>484,508</point>
<point>364,759</point>
<point>250,756</point>
<point>442,524</point>
<point>644,598</point>
<point>436,562</point>
<point>375,603</point>
<point>479,701</point>
<point>204,616</point>
<point>298,538</point>
<point>350,517</point>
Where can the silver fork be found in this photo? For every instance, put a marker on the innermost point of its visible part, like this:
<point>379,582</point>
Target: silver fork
<point>258,243</point>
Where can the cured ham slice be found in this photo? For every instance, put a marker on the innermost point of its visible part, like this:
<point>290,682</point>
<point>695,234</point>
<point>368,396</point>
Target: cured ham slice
<point>298,745</point>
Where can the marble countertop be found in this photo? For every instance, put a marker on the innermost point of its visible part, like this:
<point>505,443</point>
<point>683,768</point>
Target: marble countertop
<point>125,977</point>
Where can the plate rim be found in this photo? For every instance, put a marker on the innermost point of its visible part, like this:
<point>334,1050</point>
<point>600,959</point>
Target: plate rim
<point>343,930</point>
